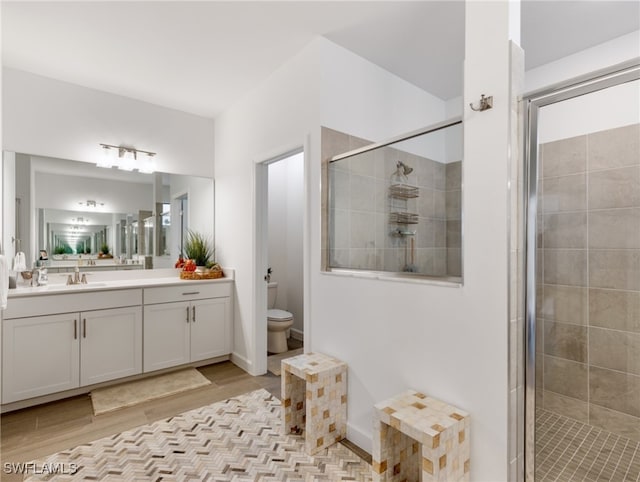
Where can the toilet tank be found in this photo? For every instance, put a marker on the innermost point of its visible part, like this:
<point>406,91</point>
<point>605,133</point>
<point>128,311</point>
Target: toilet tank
<point>272,291</point>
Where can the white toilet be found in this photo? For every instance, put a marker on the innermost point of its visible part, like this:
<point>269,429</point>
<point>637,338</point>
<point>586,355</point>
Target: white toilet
<point>278,322</point>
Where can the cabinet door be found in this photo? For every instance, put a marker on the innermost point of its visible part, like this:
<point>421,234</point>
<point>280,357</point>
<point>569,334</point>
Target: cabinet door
<point>40,355</point>
<point>110,344</point>
<point>166,335</point>
<point>209,328</point>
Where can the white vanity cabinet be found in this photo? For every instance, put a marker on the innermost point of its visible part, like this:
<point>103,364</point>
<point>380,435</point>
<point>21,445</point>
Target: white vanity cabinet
<point>110,344</point>
<point>187,323</point>
<point>60,342</point>
<point>40,355</point>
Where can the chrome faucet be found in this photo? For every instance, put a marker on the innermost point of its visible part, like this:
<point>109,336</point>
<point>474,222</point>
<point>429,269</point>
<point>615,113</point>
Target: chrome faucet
<point>76,278</point>
<point>39,277</point>
<point>35,277</point>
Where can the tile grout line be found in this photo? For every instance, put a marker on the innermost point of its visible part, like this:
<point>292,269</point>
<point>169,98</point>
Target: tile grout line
<point>559,458</point>
<point>593,459</point>
<point>584,438</point>
<point>631,462</point>
<point>588,283</point>
<point>615,469</point>
<point>557,443</point>
<point>604,464</point>
<point>542,449</point>
<point>588,450</point>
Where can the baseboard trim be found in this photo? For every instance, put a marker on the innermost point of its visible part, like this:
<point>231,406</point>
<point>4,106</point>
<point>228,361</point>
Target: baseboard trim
<point>242,362</point>
<point>297,334</point>
<point>359,451</point>
<point>359,438</point>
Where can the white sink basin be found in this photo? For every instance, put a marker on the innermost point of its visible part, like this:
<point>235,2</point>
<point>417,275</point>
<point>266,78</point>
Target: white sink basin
<point>63,287</point>
<point>86,285</point>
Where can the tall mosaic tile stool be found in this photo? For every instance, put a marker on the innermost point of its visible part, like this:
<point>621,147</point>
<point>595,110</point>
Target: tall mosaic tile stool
<point>409,420</point>
<point>314,394</point>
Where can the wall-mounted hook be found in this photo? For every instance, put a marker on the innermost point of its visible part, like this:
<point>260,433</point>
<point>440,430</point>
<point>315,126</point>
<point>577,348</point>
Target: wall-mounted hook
<point>485,103</point>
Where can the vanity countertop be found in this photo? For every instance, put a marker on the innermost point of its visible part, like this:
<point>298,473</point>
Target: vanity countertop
<point>98,263</point>
<point>106,285</point>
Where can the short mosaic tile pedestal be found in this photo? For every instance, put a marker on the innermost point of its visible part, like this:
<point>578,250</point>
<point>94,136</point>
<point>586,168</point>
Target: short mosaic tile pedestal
<point>419,438</point>
<point>314,398</point>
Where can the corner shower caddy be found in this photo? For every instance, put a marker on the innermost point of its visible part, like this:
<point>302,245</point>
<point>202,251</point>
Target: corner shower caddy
<point>400,192</point>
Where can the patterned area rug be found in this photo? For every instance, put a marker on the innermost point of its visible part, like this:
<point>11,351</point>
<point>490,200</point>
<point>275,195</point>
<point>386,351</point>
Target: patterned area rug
<point>238,439</point>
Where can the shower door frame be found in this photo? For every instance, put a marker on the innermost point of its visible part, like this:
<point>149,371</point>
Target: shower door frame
<point>595,81</point>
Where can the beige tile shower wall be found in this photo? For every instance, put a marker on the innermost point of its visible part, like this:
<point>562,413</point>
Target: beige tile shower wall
<point>454,217</point>
<point>589,263</point>
<point>358,225</point>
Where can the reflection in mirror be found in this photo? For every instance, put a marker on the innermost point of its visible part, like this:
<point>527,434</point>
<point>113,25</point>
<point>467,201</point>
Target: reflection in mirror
<point>78,232</point>
<point>80,213</point>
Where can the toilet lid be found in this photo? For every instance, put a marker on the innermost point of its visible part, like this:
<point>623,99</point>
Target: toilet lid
<point>279,315</point>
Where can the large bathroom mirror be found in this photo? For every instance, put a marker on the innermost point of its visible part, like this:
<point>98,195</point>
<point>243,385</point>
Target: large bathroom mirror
<point>69,211</point>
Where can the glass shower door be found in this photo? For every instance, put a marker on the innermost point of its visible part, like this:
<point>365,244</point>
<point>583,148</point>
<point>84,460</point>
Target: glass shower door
<point>587,279</point>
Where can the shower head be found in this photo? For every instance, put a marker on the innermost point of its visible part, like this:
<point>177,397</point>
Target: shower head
<point>406,170</point>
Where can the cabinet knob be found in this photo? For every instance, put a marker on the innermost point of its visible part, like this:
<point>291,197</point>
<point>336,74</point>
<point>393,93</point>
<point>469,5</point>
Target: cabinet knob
<point>193,314</point>
<point>75,329</point>
<point>187,314</point>
<point>84,327</point>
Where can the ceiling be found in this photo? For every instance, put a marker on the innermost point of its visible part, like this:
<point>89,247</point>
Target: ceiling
<point>200,57</point>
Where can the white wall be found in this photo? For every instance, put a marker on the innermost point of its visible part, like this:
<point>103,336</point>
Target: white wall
<point>450,342</point>
<point>55,119</point>
<point>380,105</point>
<point>286,207</point>
<point>590,113</point>
<point>56,191</point>
<point>200,196</point>
<point>201,205</point>
<point>25,208</point>
<point>279,116</point>
<point>46,117</point>
<point>7,201</point>
<point>605,109</point>
<point>589,60</point>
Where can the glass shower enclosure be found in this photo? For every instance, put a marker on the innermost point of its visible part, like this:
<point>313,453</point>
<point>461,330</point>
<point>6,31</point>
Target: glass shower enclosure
<point>583,281</point>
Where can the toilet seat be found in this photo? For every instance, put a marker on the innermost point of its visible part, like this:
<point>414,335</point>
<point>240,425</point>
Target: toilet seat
<point>279,315</point>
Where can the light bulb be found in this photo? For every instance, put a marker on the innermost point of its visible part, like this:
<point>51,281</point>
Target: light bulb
<point>147,165</point>
<point>107,158</point>
<point>126,161</point>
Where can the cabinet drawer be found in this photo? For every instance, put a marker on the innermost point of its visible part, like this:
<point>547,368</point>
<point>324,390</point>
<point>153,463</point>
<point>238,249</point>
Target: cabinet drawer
<point>67,303</point>
<point>186,292</point>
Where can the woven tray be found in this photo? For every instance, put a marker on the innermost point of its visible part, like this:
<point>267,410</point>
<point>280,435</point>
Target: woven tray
<point>211,274</point>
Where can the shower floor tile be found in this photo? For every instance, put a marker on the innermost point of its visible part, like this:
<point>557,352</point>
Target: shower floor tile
<point>568,450</point>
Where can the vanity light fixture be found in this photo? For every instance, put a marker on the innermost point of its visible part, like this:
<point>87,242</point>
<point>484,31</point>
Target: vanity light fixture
<point>90,203</point>
<point>126,158</point>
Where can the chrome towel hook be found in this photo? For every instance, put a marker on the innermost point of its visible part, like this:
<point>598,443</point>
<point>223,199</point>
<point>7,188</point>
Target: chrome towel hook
<point>485,103</point>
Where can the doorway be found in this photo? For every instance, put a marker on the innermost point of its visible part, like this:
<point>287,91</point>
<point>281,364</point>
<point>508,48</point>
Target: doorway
<point>582,419</point>
<point>280,248</point>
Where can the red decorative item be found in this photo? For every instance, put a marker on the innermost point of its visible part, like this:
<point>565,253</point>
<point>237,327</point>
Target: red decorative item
<point>189,265</point>
<point>180,262</point>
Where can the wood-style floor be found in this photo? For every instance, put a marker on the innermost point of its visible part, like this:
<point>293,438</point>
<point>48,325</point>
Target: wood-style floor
<point>34,432</point>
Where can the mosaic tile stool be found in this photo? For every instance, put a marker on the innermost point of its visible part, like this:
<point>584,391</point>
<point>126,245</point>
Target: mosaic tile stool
<point>411,419</point>
<point>314,394</point>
